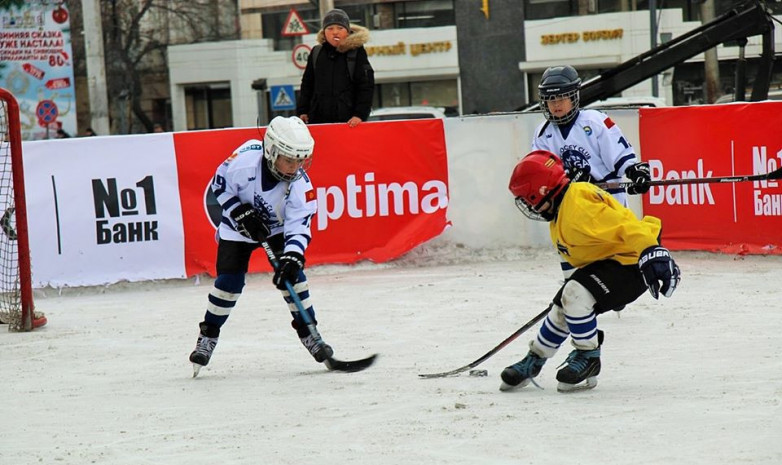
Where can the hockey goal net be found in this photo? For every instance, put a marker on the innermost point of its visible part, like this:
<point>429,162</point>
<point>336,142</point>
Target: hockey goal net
<point>16,294</point>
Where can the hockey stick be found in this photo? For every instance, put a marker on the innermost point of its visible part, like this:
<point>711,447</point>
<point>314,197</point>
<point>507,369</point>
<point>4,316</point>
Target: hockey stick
<point>496,349</point>
<point>776,174</point>
<point>331,363</point>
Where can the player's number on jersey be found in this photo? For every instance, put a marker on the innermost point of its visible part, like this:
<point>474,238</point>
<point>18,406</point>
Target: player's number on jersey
<point>218,183</point>
<point>624,142</point>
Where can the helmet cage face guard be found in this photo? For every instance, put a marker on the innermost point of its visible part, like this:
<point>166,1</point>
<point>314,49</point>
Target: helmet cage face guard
<point>547,95</point>
<point>533,211</point>
<point>276,152</point>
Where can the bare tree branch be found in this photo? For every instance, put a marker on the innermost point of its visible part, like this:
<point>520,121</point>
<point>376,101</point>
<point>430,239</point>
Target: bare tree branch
<point>137,34</point>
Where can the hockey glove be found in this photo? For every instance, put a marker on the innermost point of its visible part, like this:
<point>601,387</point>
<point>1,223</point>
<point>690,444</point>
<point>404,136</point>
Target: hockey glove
<point>579,174</point>
<point>641,178</point>
<point>288,269</point>
<point>660,272</point>
<point>249,222</point>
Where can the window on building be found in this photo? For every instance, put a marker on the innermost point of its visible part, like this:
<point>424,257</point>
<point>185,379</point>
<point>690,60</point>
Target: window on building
<point>609,6</point>
<point>387,15</point>
<point>403,14</point>
<point>439,93</point>
<point>775,7</point>
<point>208,106</point>
<point>161,113</point>
<point>688,79</point>
<point>429,13</point>
<point>545,9</point>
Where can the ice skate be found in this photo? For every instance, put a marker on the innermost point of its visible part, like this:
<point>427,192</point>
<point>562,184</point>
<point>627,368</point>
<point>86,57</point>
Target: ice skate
<point>580,371</point>
<point>204,347</point>
<point>522,373</point>
<point>319,350</point>
<point>582,368</point>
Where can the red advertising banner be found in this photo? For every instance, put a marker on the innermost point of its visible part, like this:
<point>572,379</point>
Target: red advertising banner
<point>382,189</point>
<point>708,141</point>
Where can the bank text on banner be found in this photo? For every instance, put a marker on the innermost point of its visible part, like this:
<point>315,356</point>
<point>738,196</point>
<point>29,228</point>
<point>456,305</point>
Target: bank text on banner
<point>707,141</point>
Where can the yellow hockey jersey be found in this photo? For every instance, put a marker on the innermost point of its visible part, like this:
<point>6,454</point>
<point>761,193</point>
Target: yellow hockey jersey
<point>592,226</point>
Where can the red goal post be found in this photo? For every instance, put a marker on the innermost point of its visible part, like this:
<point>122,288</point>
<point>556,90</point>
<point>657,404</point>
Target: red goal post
<point>16,293</point>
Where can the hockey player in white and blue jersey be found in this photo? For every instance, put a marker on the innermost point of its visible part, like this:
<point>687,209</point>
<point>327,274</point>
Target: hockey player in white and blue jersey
<point>591,146</point>
<point>266,195</point>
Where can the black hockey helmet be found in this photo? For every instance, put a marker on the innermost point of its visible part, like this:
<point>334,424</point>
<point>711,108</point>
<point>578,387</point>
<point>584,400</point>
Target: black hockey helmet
<point>559,82</point>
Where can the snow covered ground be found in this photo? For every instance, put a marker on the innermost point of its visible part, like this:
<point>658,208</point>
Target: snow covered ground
<point>695,379</point>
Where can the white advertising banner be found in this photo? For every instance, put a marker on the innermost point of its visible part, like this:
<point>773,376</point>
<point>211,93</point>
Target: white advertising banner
<point>103,210</point>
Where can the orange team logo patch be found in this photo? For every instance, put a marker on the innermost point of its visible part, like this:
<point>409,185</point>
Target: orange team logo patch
<point>609,124</point>
<point>309,195</point>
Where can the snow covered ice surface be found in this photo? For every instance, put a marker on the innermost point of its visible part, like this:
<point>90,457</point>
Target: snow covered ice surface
<point>694,379</point>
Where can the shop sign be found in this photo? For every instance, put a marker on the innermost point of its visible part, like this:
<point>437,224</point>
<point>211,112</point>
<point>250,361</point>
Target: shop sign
<point>586,36</point>
<point>400,48</point>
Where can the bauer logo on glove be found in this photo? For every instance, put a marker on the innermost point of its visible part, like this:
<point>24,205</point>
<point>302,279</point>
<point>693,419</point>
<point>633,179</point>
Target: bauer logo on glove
<point>249,222</point>
<point>660,272</point>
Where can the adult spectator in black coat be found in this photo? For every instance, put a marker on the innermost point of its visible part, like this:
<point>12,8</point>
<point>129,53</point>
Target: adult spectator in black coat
<point>329,93</point>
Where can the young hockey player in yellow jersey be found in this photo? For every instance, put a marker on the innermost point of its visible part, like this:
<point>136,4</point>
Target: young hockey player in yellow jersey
<point>617,257</point>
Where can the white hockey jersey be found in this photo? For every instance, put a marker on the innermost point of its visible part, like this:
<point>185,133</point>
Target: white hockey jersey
<point>285,207</point>
<point>593,140</point>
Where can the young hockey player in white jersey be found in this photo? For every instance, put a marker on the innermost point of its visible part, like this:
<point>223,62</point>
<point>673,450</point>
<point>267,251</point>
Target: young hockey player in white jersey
<point>616,257</point>
<point>590,144</point>
<point>265,195</point>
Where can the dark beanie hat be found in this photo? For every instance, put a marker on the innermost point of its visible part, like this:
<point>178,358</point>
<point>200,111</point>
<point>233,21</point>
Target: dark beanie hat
<point>336,16</point>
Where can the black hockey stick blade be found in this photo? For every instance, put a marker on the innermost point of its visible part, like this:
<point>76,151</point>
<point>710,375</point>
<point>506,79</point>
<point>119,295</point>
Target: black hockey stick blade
<point>346,366</point>
<point>350,366</point>
<point>496,349</point>
<point>776,174</point>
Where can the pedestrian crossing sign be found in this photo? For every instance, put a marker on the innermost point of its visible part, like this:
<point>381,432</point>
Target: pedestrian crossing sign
<point>294,25</point>
<point>283,98</point>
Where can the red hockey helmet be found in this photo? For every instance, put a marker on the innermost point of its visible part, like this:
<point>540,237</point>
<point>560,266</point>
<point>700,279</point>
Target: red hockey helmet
<point>536,182</point>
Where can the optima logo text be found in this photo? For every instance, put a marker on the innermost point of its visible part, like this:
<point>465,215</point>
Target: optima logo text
<point>381,199</point>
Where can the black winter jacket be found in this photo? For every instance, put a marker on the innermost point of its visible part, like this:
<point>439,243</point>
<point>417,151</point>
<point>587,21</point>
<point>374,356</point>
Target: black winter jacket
<point>328,94</point>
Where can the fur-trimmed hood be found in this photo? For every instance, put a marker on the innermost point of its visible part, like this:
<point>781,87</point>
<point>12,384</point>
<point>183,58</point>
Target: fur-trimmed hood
<point>359,35</point>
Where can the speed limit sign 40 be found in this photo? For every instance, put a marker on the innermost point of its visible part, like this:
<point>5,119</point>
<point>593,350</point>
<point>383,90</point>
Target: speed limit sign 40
<point>301,53</point>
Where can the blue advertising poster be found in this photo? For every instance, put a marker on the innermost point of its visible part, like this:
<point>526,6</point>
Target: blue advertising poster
<point>36,65</point>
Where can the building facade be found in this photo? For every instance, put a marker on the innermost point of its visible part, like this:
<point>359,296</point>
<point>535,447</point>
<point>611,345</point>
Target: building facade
<point>414,51</point>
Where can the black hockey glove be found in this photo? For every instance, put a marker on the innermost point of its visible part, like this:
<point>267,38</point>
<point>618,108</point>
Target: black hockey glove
<point>641,177</point>
<point>660,272</point>
<point>249,222</point>
<point>288,268</point>
<point>577,174</point>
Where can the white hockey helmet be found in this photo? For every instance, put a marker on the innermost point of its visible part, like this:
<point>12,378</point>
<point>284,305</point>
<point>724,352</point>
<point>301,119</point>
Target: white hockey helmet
<point>290,138</point>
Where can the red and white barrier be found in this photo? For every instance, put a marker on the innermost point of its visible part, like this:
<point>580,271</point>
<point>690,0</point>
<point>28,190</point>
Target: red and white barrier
<point>108,209</point>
